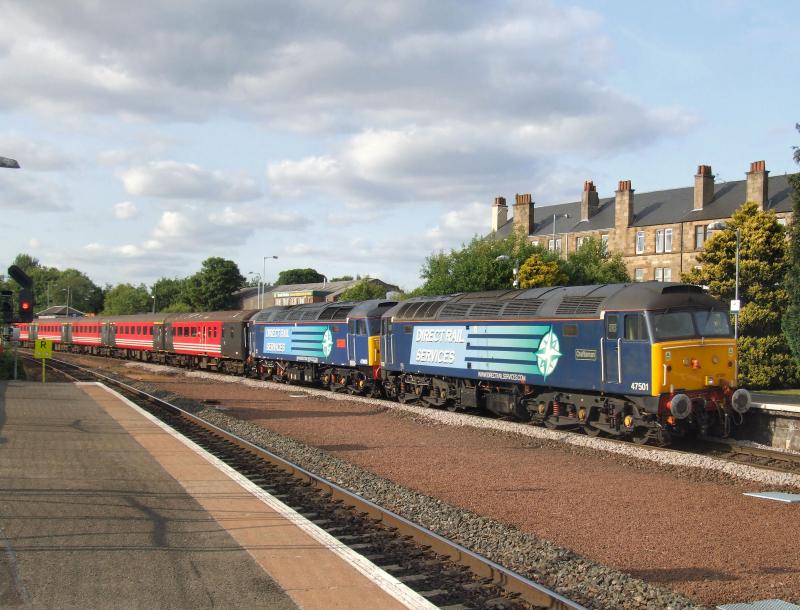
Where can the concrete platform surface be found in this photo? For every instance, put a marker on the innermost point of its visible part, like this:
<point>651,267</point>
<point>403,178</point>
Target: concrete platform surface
<point>100,508</point>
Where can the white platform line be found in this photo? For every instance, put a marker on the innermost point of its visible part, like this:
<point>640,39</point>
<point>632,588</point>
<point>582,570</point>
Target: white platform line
<point>385,581</point>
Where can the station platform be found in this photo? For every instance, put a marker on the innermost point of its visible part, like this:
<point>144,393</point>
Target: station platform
<point>100,506</point>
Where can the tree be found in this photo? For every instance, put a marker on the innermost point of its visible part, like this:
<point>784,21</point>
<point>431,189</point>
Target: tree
<point>84,294</point>
<point>796,155</point>
<point>342,278</point>
<point>475,266</point>
<point>365,290</point>
<point>791,319</point>
<point>541,269</point>
<point>212,287</point>
<point>592,264</point>
<point>299,276</point>
<point>169,291</point>
<point>125,299</point>
<point>762,268</point>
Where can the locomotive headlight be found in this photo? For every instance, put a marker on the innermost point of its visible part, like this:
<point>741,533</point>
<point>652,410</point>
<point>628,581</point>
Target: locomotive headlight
<point>686,362</point>
<point>730,351</point>
<point>715,359</point>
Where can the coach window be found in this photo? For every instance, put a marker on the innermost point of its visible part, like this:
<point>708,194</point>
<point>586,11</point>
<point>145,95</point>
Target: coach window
<point>611,326</point>
<point>361,327</point>
<point>194,331</point>
<point>635,328</point>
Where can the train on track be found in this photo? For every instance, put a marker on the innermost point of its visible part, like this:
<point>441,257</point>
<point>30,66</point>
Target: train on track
<point>645,361</point>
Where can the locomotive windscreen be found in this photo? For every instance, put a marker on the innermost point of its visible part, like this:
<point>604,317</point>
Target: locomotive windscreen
<point>689,324</point>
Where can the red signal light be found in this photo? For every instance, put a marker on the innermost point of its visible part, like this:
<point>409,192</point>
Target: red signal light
<point>25,306</point>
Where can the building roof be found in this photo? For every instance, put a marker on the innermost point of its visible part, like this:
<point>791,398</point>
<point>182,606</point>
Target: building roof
<point>60,311</point>
<point>325,288</point>
<point>670,206</point>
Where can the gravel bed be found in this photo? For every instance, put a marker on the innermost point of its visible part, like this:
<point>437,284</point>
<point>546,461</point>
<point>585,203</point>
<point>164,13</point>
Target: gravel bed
<point>676,459</point>
<point>576,577</point>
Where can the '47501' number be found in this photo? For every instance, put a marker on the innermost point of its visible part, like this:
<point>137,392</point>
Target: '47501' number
<point>639,385</point>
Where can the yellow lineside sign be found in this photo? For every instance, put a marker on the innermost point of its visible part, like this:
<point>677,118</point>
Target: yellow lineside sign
<point>43,348</point>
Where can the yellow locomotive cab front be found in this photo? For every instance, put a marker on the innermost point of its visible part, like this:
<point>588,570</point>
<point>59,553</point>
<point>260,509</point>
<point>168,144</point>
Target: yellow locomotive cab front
<point>694,364</point>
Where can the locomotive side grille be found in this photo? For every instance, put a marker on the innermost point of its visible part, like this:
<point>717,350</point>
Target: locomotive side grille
<point>453,311</point>
<point>335,313</point>
<point>579,306</point>
<point>485,310</point>
<point>522,307</point>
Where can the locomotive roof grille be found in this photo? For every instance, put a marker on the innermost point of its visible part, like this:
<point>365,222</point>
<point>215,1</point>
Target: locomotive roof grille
<point>521,307</point>
<point>579,306</point>
<point>454,311</point>
<point>486,310</point>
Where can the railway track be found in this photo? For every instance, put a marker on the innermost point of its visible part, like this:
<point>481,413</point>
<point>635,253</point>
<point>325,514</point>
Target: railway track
<point>445,573</point>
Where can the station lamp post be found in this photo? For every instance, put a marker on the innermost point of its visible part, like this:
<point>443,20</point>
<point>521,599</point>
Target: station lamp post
<point>263,292</point>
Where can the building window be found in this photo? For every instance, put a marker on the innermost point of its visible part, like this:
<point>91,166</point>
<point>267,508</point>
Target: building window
<point>554,245</point>
<point>604,241</point>
<point>663,274</point>
<point>663,240</point>
<point>579,242</point>
<point>639,242</point>
<point>699,236</point>
<point>781,221</point>
<point>535,242</point>
<point>639,275</point>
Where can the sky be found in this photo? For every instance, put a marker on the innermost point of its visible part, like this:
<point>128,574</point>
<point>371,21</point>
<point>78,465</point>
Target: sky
<point>359,137</point>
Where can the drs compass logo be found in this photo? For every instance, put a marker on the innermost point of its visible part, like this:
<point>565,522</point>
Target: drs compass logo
<point>327,343</point>
<point>548,353</point>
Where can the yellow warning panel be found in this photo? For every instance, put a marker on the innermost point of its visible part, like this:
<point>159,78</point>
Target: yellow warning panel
<point>43,348</point>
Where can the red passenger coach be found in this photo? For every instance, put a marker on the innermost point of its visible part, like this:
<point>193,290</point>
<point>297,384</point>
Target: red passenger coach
<point>86,331</point>
<point>24,331</point>
<point>214,340</point>
<point>49,329</point>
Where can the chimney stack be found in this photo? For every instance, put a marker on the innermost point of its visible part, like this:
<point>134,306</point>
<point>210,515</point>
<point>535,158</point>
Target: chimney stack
<point>623,205</point>
<point>757,188</point>
<point>523,213</point>
<point>499,213</point>
<point>590,202</point>
<point>703,187</point>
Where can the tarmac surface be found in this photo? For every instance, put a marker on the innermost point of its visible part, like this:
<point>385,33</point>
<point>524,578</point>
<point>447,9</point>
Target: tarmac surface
<point>101,508</point>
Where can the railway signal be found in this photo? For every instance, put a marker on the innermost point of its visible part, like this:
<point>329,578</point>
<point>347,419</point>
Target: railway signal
<point>25,293</point>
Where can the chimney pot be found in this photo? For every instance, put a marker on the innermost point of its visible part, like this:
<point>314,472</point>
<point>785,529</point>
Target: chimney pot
<point>703,187</point>
<point>590,202</point>
<point>499,200</point>
<point>758,184</point>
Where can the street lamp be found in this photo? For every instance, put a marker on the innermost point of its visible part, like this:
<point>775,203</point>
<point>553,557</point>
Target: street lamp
<point>263,292</point>
<point>515,271</point>
<point>152,296</point>
<point>67,290</point>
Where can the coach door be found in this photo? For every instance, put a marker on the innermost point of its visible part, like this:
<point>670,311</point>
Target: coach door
<point>158,337</point>
<point>612,343</point>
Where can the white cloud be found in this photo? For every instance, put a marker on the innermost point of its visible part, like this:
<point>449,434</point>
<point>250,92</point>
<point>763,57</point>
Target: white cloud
<point>175,180</point>
<point>33,242</point>
<point>31,193</point>
<point>125,210</point>
<point>34,155</point>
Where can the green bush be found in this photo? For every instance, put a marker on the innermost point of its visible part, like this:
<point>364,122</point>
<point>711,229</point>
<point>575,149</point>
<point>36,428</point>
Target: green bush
<point>7,366</point>
<point>766,363</point>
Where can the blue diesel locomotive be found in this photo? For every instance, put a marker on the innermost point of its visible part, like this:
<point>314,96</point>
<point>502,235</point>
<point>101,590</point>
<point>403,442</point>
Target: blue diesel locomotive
<point>644,361</point>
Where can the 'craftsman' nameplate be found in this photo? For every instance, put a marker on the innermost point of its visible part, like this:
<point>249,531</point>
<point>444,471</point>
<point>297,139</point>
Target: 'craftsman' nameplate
<point>585,354</point>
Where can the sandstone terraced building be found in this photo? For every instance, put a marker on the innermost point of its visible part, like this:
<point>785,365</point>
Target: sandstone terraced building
<point>659,233</point>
